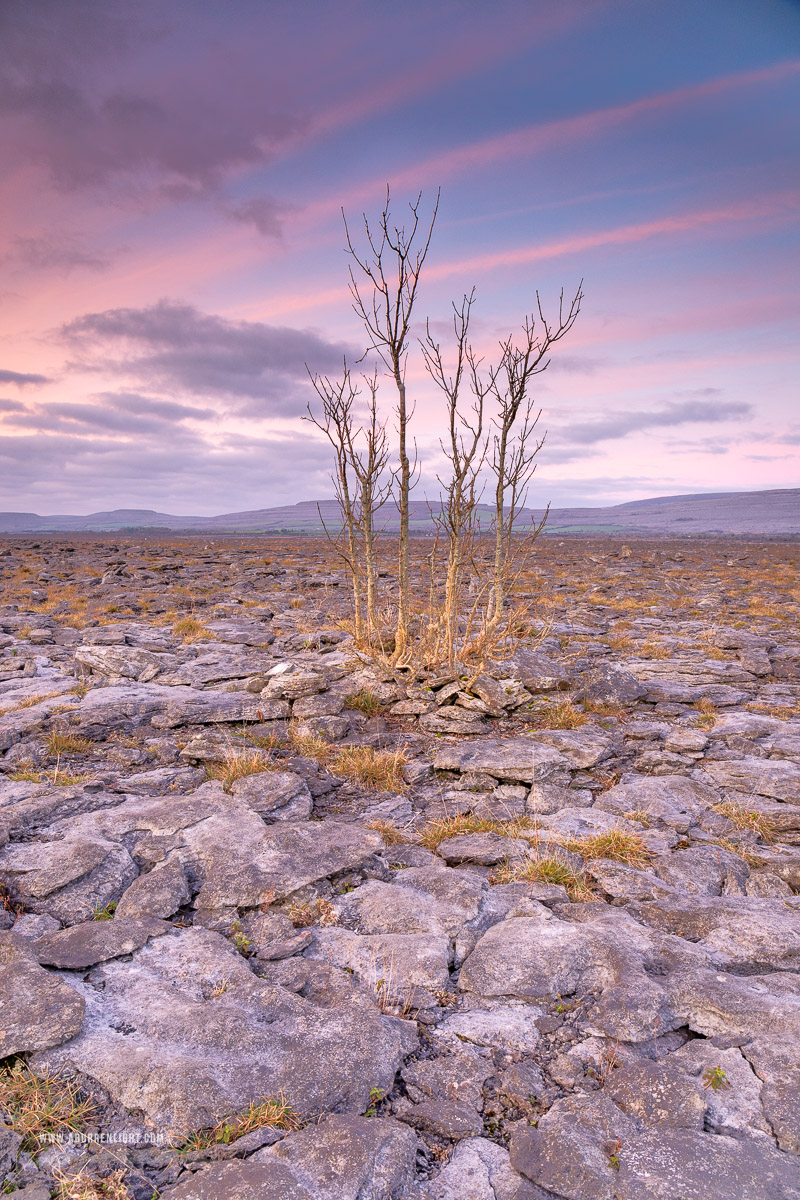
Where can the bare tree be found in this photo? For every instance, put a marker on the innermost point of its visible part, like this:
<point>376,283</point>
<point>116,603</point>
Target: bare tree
<point>384,279</point>
<point>465,449</point>
<point>361,483</point>
<point>336,422</point>
<point>516,444</point>
<point>374,488</point>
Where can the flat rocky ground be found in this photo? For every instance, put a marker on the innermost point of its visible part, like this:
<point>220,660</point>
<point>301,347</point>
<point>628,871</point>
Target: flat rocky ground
<point>537,936</point>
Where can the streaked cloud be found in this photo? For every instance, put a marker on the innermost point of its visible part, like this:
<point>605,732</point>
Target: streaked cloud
<point>21,378</point>
<point>619,425</point>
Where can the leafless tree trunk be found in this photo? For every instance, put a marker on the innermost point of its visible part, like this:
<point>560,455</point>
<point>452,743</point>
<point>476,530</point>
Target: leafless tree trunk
<point>515,442</point>
<point>336,422</point>
<point>383,283</point>
<point>465,450</point>
<point>361,485</point>
<point>369,467</point>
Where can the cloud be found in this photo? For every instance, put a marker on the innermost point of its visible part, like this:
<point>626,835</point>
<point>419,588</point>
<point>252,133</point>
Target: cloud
<point>122,414</point>
<point>60,252</point>
<point>22,380</point>
<point>103,95</point>
<point>171,345</point>
<point>621,424</point>
<point>263,212</point>
<point>576,364</point>
<point>56,471</point>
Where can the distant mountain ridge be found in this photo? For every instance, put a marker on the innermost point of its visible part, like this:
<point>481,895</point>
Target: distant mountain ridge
<point>771,513</point>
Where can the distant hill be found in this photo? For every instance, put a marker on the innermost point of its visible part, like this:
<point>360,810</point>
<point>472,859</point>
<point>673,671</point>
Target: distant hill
<point>770,513</point>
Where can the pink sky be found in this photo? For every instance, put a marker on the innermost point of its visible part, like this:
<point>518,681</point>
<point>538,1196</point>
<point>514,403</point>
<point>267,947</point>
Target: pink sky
<point>171,184</point>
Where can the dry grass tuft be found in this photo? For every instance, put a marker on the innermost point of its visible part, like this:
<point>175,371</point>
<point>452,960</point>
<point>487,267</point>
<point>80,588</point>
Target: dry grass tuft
<point>435,832</point>
<point>84,1186</point>
<point>545,868</point>
<point>603,708</point>
<point>61,741</point>
<point>40,1108</point>
<point>366,702</point>
<point>559,715</point>
<point>311,745</point>
<point>29,702</point>
<point>747,818</point>
<point>192,630</point>
<point>616,844</point>
<point>783,712</point>
<point>706,715</point>
<point>236,766</point>
<point>653,649</point>
<point>392,836</point>
<point>752,860</point>
<point>640,815</point>
<point>378,769</point>
<point>266,1113</point>
<point>317,912</point>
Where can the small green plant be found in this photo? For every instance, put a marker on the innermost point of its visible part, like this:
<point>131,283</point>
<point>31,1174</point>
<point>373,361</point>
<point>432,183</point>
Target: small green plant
<point>716,1079</point>
<point>240,939</point>
<point>376,1094</point>
<point>613,1158</point>
<point>105,913</point>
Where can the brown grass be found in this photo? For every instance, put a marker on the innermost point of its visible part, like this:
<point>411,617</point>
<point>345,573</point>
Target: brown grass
<point>546,868</point>
<point>752,860</point>
<point>41,1107</point>
<point>706,715</point>
<point>392,836</point>
<point>559,715</point>
<point>192,630</point>
<point>783,712</point>
<point>29,702</point>
<point>653,649</point>
<point>378,769</point>
<point>640,815</point>
<point>602,708</point>
<point>435,832</point>
<point>366,702</point>
<point>83,1186</point>
<point>270,1112</point>
<point>317,912</point>
<point>747,818</point>
<point>616,844</point>
<point>236,766</point>
<point>61,741</point>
